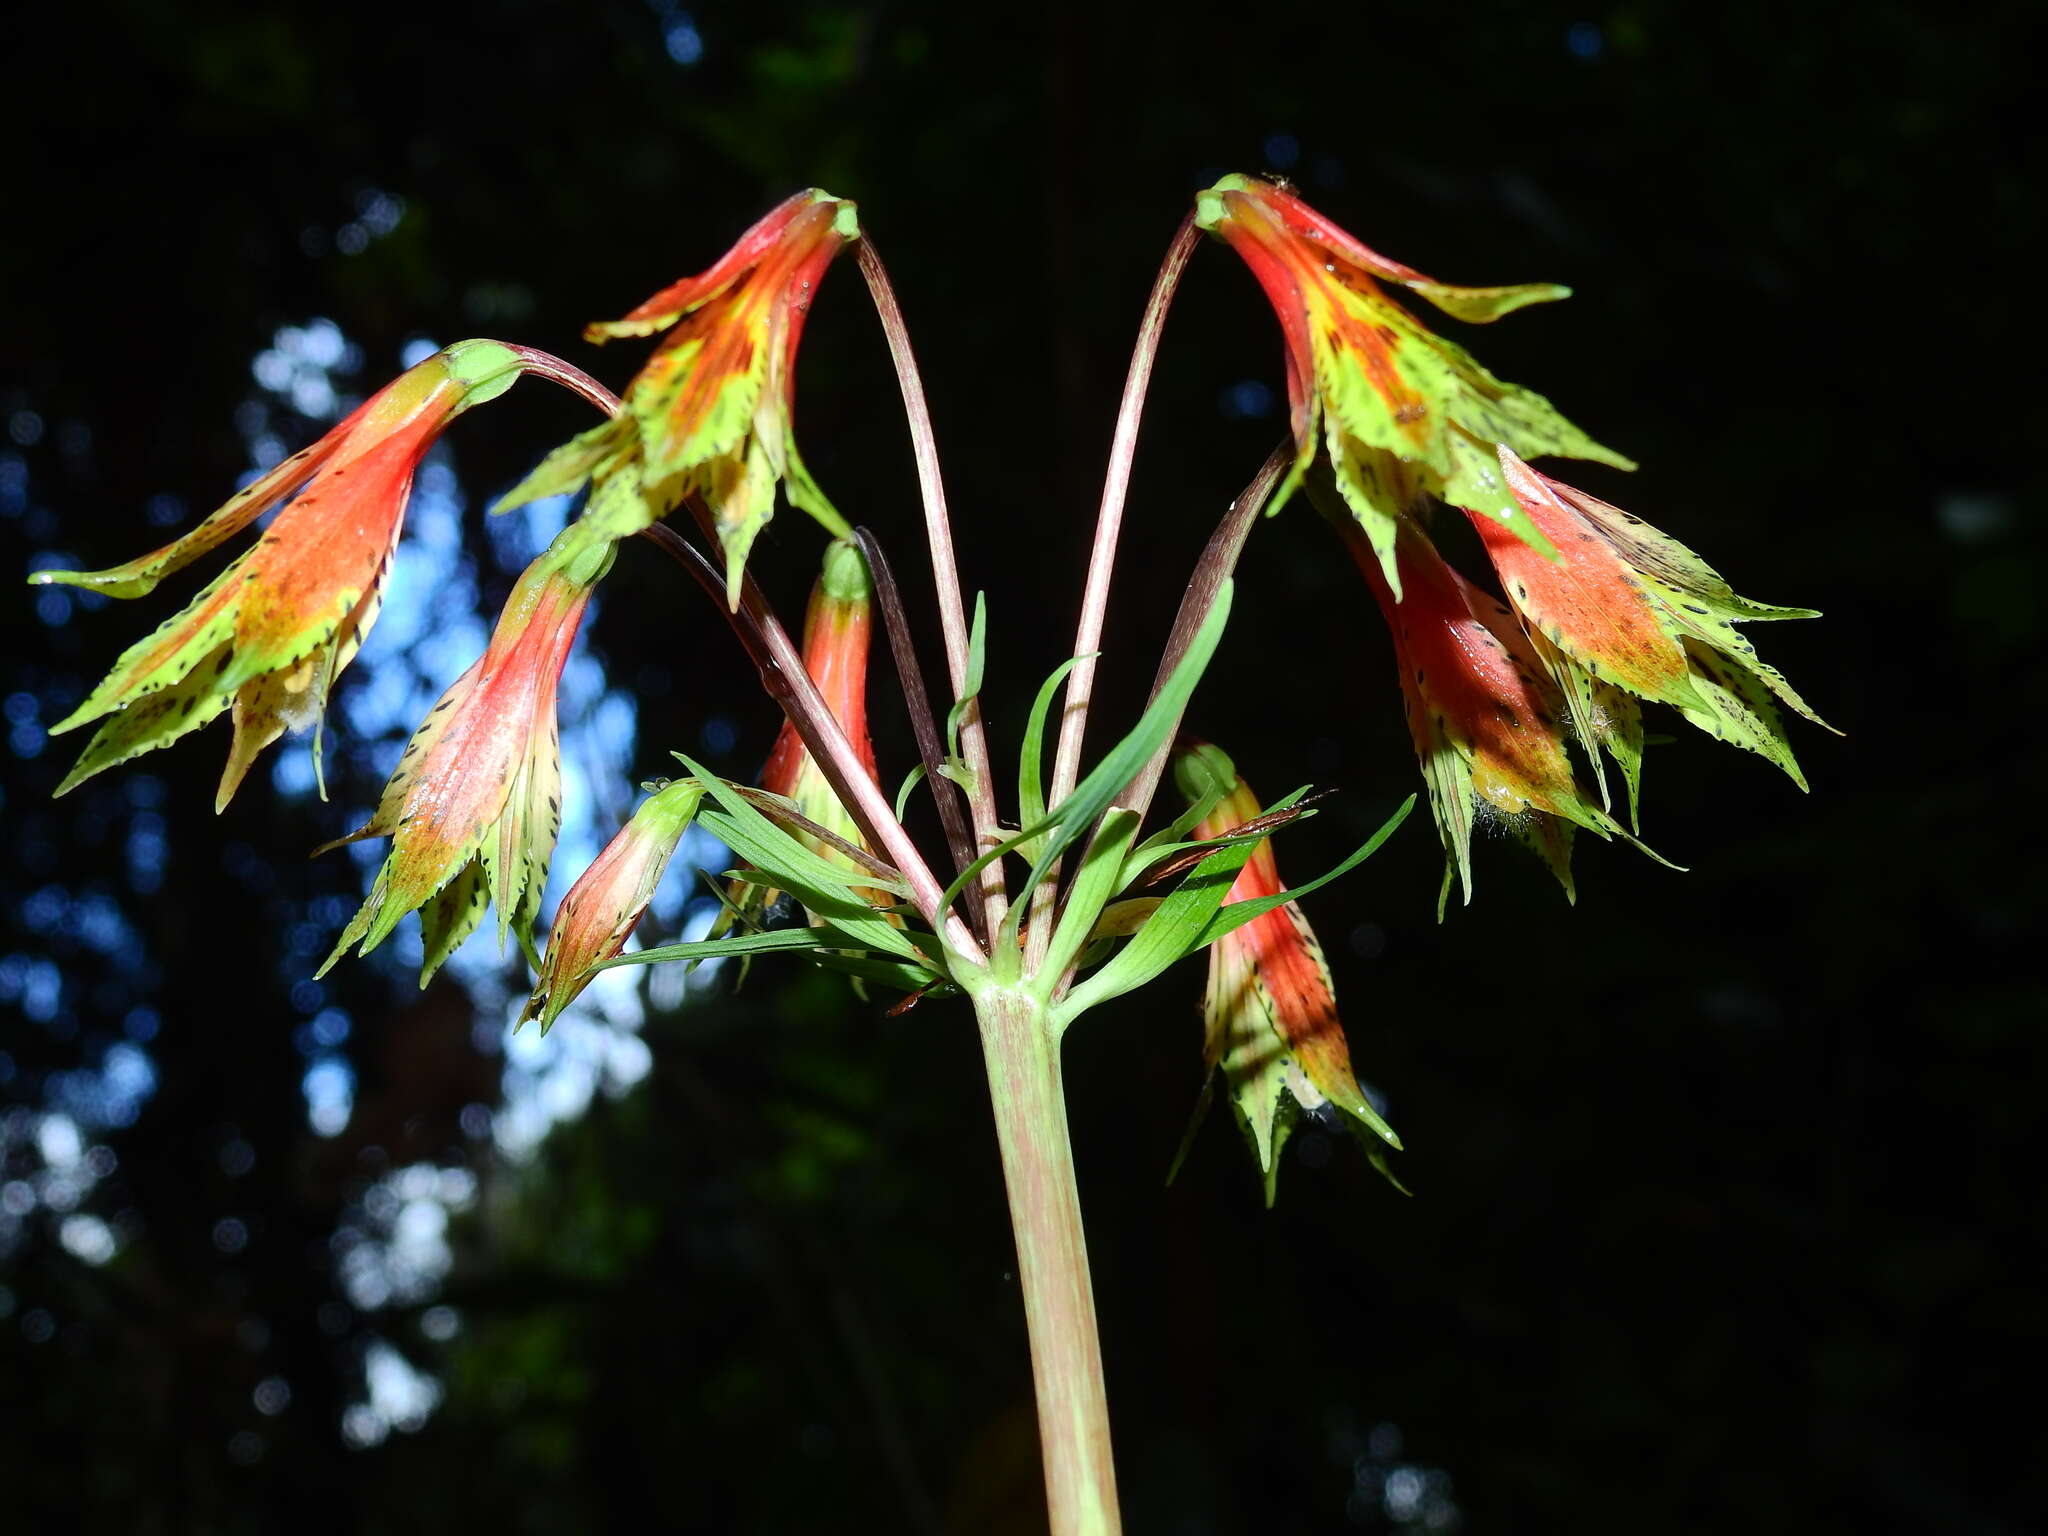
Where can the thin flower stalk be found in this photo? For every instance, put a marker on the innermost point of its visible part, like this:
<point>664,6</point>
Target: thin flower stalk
<point>980,785</point>
<point>1109,520</point>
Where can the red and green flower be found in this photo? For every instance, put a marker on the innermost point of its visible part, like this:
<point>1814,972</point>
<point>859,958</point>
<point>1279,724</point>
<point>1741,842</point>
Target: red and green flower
<point>474,805</point>
<point>608,899</point>
<point>269,635</point>
<point>710,415</point>
<point>1404,413</point>
<point>1485,716</point>
<point>1269,1013</point>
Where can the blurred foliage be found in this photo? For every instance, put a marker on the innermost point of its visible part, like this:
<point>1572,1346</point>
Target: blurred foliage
<point>1727,1212</point>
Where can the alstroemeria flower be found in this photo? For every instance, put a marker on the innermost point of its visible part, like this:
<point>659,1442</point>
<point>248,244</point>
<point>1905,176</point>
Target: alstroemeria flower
<point>1269,1015</point>
<point>475,803</point>
<point>1486,718</point>
<point>606,902</point>
<point>710,413</point>
<point>270,634</point>
<point>837,625</point>
<point>1403,412</point>
<point>1626,610</point>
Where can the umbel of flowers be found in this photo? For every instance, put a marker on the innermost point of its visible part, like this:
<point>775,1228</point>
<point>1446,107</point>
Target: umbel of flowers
<point>1522,684</point>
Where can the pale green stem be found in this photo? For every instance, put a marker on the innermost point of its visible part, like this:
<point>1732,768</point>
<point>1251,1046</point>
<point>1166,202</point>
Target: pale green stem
<point>1021,1049</point>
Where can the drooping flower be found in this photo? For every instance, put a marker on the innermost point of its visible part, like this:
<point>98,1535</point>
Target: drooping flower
<point>1626,610</point>
<point>270,634</point>
<point>1486,719</point>
<point>1403,412</point>
<point>710,413</point>
<point>1269,1014</point>
<point>474,805</point>
<point>601,909</point>
<point>837,626</point>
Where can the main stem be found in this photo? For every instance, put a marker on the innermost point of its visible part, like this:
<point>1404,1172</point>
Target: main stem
<point>1021,1050</point>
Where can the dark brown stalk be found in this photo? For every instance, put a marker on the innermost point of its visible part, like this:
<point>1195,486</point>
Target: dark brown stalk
<point>910,676</point>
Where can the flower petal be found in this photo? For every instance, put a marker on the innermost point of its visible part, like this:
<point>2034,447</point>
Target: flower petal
<point>154,720</point>
<point>686,294</point>
<point>140,575</point>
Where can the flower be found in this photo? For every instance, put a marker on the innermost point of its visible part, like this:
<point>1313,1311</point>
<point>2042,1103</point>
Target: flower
<point>837,624</point>
<point>1402,411</point>
<point>1626,612</point>
<point>607,900</point>
<point>270,634</point>
<point>1270,1011</point>
<point>475,802</point>
<point>710,413</point>
<point>1484,715</point>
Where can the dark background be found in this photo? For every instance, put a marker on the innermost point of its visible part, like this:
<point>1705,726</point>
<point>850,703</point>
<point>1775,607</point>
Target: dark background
<point>1727,1210</point>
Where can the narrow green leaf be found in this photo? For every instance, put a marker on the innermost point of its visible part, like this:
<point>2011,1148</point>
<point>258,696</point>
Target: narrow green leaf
<point>1008,845</point>
<point>823,887</point>
<point>1092,796</point>
<point>775,864</point>
<point>1174,928</point>
<point>1169,934</point>
<point>712,949</point>
<point>1031,756</point>
<point>1097,881</point>
<point>977,657</point>
<point>1152,854</point>
<point>910,781</point>
<point>779,851</point>
<point>787,815</point>
<point>977,645</point>
<point>890,973</point>
<point>1184,823</point>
